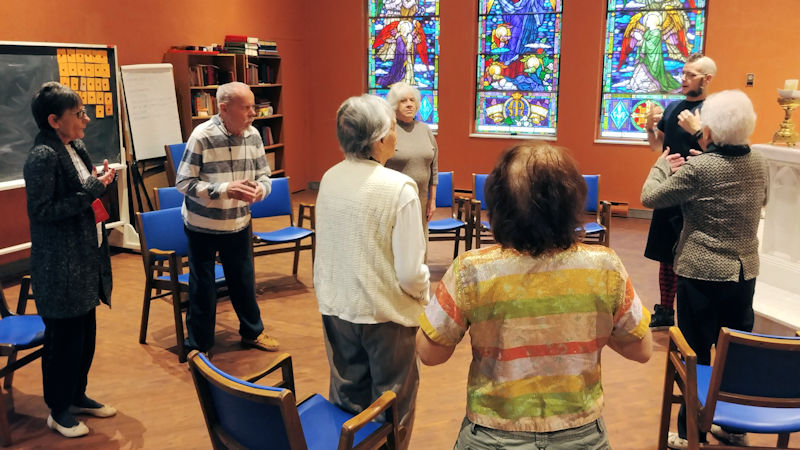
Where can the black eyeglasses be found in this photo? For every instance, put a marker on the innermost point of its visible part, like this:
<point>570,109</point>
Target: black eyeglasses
<point>82,113</point>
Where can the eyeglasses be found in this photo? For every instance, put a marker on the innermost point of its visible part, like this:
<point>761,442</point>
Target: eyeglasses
<point>81,114</point>
<point>691,74</point>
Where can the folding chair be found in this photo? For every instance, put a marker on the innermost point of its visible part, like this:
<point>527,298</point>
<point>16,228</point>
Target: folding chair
<point>240,414</point>
<point>288,239</point>
<point>597,231</point>
<point>163,246</point>
<point>751,387</point>
<point>168,197</point>
<point>174,155</point>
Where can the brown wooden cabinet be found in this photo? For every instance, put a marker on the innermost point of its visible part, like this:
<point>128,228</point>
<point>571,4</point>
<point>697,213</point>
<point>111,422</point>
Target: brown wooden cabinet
<point>197,76</point>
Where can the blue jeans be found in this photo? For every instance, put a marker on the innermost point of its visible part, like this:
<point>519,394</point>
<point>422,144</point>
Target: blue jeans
<point>235,253</point>
<point>476,437</point>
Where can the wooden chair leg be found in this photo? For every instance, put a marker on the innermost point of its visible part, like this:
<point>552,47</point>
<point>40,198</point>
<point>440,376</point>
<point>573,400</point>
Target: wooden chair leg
<point>456,238</point>
<point>12,357</point>
<point>313,249</point>
<point>666,406</point>
<point>5,430</point>
<point>148,290</point>
<point>296,258</point>
<point>783,440</point>
<point>24,294</point>
<point>178,317</point>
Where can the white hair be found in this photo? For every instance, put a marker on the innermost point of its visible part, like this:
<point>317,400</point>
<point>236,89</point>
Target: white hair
<point>730,117</point>
<point>362,121</point>
<point>228,91</point>
<point>401,90</point>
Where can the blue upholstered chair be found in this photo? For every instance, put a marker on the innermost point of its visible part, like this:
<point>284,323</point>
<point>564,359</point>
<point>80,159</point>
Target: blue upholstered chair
<point>598,231</point>
<point>482,228</point>
<point>242,414</point>
<point>163,246</point>
<point>174,155</point>
<point>168,197</point>
<point>288,239</point>
<point>457,227</point>
<point>751,387</point>
<point>17,333</point>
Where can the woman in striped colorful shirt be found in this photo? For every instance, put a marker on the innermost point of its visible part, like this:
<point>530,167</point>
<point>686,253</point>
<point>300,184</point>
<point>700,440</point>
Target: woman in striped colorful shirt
<point>539,306</point>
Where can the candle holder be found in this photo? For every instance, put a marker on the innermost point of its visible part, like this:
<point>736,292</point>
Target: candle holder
<point>786,133</point>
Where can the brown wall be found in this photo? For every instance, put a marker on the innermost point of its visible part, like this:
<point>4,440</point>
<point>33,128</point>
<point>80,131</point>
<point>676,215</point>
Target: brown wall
<point>323,48</point>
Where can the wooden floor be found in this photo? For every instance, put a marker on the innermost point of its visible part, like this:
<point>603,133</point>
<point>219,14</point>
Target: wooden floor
<point>158,408</point>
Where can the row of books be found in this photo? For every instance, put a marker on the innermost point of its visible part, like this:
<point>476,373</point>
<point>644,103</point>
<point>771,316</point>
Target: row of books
<point>266,135</point>
<point>204,104</point>
<point>249,45</point>
<point>259,72</point>
<point>208,74</point>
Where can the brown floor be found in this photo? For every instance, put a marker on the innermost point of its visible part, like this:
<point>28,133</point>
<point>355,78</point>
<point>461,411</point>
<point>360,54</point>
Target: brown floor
<point>155,396</point>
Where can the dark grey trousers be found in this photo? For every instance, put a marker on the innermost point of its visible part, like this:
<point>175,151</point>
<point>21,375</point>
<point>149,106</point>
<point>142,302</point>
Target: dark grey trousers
<point>368,359</point>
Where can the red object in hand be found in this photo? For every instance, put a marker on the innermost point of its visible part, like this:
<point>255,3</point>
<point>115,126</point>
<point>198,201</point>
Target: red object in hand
<point>100,213</point>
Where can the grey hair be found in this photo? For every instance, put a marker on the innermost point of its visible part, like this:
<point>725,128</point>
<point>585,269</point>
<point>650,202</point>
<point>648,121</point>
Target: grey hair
<point>707,65</point>
<point>401,90</point>
<point>730,117</point>
<point>360,122</point>
<point>228,91</point>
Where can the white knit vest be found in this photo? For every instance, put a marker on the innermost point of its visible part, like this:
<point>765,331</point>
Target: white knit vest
<point>354,275</point>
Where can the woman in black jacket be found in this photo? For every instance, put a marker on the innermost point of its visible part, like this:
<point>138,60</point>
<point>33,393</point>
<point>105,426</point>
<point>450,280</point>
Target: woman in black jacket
<point>70,262</point>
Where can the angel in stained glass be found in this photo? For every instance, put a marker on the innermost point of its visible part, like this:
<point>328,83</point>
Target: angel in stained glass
<point>401,41</point>
<point>662,22</point>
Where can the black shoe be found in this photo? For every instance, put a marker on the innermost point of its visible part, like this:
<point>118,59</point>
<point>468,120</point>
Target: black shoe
<point>662,318</point>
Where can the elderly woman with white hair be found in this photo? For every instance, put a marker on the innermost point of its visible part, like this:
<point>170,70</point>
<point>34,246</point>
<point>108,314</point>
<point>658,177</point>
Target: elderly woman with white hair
<point>417,154</point>
<point>721,192</point>
<point>369,273</point>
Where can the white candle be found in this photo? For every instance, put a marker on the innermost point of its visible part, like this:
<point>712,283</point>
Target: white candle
<point>790,85</point>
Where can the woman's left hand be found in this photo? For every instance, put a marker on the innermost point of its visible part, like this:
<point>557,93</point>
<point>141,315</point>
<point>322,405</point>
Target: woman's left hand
<point>107,175</point>
<point>431,209</point>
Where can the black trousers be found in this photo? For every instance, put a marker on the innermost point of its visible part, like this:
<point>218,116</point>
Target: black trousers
<point>706,306</point>
<point>68,353</point>
<point>235,253</point>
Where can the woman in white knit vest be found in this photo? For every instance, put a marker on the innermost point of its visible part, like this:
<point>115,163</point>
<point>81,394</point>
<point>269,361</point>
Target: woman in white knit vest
<point>369,273</point>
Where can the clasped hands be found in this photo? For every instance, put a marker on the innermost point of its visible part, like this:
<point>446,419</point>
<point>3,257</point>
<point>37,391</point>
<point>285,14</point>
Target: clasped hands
<point>245,190</point>
<point>107,175</point>
<point>675,160</point>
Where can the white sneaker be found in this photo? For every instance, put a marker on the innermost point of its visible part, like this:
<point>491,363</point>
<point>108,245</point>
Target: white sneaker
<point>77,431</point>
<point>102,411</point>
<point>729,438</point>
<point>675,441</point>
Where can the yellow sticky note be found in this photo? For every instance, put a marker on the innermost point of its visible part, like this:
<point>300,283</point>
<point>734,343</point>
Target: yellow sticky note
<point>108,100</point>
<point>73,69</point>
<point>81,69</point>
<point>90,84</point>
<point>104,69</point>
<point>103,56</point>
<point>61,55</point>
<point>73,83</point>
<point>64,81</point>
<point>79,56</point>
<point>82,85</point>
<point>99,112</point>
<point>84,97</point>
<point>109,110</point>
<point>106,86</point>
<point>92,98</point>
<point>63,69</point>
<point>89,70</point>
<point>71,55</point>
<point>98,56</point>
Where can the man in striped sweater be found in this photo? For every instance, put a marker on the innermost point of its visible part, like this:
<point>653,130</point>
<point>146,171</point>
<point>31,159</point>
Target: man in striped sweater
<point>222,172</point>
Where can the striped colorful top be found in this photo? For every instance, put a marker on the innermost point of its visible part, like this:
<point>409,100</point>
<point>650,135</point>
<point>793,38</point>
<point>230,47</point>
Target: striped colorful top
<point>537,325</point>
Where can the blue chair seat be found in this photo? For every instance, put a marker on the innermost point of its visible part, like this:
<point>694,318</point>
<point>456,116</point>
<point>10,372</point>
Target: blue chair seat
<point>22,332</point>
<point>485,225</point>
<point>593,227</point>
<point>448,224</point>
<point>288,234</point>
<point>219,276</point>
<point>754,419</point>
<point>322,423</point>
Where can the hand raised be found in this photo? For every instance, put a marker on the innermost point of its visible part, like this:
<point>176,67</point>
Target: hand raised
<point>689,121</point>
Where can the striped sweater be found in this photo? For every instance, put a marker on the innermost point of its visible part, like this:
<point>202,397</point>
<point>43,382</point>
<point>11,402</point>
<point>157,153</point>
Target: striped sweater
<point>212,159</point>
<point>537,326</point>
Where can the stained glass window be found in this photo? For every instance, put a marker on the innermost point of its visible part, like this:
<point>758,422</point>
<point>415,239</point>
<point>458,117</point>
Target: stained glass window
<point>517,74</point>
<point>647,43</point>
<point>404,46</point>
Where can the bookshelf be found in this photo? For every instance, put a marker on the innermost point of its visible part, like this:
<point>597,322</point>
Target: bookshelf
<point>197,76</point>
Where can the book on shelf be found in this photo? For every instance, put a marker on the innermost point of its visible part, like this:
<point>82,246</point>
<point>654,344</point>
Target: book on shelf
<point>266,135</point>
<point>271,161</point>
<point>204,75</point>
<point>204,104</point>
<point>267,47</point>
<point>265,73</point>
<point>264,109</point>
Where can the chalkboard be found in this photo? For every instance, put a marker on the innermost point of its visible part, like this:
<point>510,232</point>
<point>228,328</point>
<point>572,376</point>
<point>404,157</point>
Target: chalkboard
<point>25,66</point>
<point>152,108</point>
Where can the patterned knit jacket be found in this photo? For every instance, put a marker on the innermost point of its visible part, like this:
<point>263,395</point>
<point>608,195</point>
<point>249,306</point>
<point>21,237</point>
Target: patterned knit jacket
<point>721,193</point>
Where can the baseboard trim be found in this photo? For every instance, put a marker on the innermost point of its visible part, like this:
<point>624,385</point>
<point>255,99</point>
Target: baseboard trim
<point>640,213</point>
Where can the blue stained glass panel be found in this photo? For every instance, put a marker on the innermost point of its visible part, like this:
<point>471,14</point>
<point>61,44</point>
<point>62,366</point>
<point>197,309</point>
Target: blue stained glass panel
<point>647,43</point>
<point>519,50</point>
<point>404,46</point>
